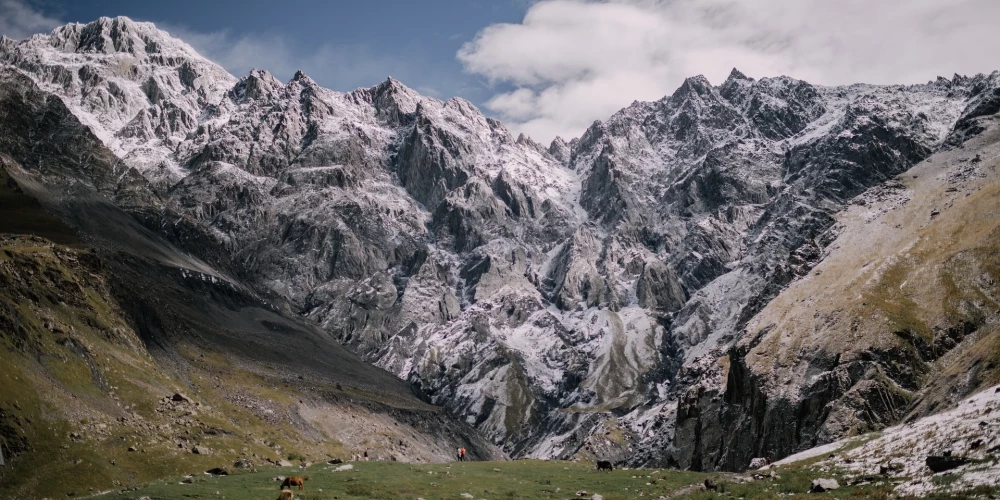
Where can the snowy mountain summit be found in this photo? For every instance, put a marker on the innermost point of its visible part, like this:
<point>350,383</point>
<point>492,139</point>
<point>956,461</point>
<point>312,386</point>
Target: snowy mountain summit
<point>546,295</point>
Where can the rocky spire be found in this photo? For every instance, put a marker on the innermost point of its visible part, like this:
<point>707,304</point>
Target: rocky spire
<point>560,150</point>
<point>257,84</point>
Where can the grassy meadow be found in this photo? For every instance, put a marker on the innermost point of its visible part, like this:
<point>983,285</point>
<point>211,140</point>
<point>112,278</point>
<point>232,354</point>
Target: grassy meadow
<point>521,479</point>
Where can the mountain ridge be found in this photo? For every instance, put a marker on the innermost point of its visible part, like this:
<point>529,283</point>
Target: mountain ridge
<point>543,295</point>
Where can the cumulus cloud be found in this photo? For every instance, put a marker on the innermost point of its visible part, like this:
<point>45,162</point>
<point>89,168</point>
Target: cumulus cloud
<point>19,20</point>
<point>570,62</point>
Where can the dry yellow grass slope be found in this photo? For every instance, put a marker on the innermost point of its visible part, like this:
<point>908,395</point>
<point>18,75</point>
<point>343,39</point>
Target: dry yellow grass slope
<point>910,290</point>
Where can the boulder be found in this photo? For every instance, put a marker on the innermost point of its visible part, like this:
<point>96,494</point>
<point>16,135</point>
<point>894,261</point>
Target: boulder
<point>941,463</point>
<point>890,468</point>
<point>180,398</point>
<point>821,485</point>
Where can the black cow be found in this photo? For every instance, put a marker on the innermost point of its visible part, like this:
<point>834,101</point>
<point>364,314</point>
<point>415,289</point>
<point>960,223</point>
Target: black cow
<point>604,465</point>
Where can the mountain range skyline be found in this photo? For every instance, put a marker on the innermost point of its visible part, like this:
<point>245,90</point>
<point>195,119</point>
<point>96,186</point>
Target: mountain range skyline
<point>552,67</point>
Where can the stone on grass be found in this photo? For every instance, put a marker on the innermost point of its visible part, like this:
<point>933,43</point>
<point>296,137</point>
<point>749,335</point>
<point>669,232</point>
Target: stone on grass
<point>821,485</point>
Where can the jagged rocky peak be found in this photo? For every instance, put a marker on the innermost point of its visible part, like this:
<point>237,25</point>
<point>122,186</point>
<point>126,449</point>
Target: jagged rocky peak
<point>737,76</point>
<point>131,83</point>
<point>395,103</point>
<point>693,88</point>
<point>118,35</point>
<point>256,85</point>
<point>778,107</point>
<point>735,84</point>
<point>526,141</point>
<point>303,79</point>
<point>560,150</point>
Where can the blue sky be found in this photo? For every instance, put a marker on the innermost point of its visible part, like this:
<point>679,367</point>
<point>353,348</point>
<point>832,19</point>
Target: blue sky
<point>341,44</point>
<point>552,67</point>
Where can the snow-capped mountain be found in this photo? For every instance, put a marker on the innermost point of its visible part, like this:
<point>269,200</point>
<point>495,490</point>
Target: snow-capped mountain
<point>547,295</point>
<point>138,89</point>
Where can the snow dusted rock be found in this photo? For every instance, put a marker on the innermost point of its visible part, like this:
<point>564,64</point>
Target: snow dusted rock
<point>561,150</point>
<point>964,438</point>
<point>823,485</point>
<point>832,355</point>
<point>533,291</point>
<point>138,89</point>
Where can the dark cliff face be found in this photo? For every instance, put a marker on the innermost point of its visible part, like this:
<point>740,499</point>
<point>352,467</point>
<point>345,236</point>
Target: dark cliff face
<point>767,408</point>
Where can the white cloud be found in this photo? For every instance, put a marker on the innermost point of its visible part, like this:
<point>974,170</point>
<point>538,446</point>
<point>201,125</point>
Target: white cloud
<point>19,20</point>
<point>573,61</point>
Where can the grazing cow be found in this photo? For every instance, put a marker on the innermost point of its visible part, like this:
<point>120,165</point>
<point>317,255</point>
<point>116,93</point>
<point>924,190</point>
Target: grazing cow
<point>710,486</point>
<point>286,495</point>
<point>294,481</point>
<point>604,465</point>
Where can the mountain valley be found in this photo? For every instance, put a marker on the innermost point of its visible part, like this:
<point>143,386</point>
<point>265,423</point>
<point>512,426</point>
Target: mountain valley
<point>741,270</point>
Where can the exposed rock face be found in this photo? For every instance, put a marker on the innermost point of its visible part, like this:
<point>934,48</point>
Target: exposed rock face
<point>897,321</point>
<point>139,90</point>
<point>532,291</point>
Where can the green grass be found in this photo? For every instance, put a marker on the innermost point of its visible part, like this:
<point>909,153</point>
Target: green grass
<point>51,390</point>
<point>521,479</point>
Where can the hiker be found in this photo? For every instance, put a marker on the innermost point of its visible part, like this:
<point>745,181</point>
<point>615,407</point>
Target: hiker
<point>461,454</point>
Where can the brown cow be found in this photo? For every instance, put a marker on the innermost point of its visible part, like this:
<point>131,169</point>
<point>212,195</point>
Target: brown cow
<point>286,495</point>
<point>294,481</point>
